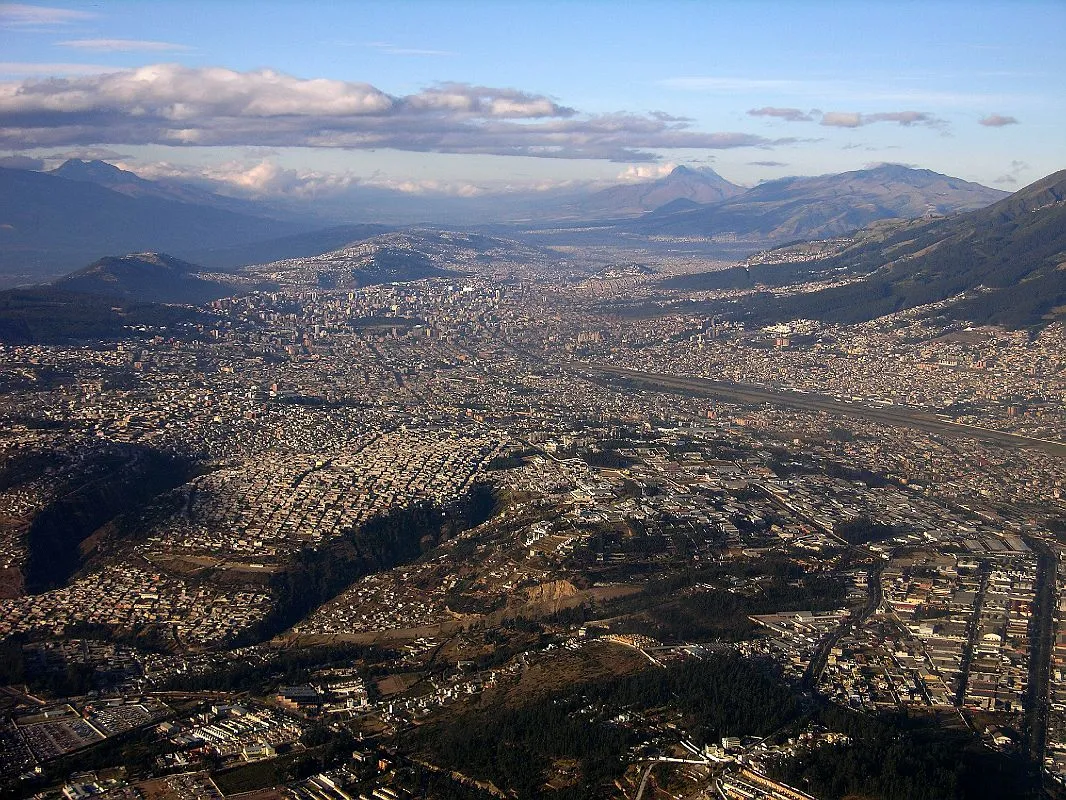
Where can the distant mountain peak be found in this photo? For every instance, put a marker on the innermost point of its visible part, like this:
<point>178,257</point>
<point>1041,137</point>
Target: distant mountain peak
<point>698,185</point>
<point>699,173</point>
<point>157,258</point>
<point>149,261</point>
<point>895,167</point>
<point>76,169</point>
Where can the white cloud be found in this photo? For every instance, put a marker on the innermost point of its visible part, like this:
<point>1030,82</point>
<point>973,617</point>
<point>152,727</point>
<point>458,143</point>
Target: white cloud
<point>646,172</point>
<point>422,187</point>
<point>172,92</point>
<point>124,45</point>
<point>395,50</point>
<point>1013,174</point>
<point>17,15</point>
<point>174,104</point>
<point>853,119</point>
<point>11,69</point>
<point>487,102</point>
<point>842,119</point>
<point>997,121</point>
<point>788,114</point>
<point>264,178</point>
<point>848,119</point>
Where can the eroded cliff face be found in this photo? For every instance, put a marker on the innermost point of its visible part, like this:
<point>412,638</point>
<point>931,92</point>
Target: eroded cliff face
<point>316,576</point>
<point>119,482</point>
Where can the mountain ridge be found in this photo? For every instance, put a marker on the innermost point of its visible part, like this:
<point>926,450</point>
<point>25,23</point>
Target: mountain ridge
<point>109,176</point>
<point>1004,264</point>
<point>148,277</point>
<point>50,225</point>
<point>824,205</point>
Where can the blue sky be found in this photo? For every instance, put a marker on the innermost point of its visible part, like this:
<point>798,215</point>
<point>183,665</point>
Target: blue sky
<point>290,97</point>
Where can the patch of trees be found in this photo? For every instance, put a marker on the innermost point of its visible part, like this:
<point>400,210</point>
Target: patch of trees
<point>673,607</point>
<point>720,695</point>
<point>45,315</point>
<point>863,530</point>
<point>515,747</point>
<point>329,748</point>
<point>606,459</point>
<point>723,614</point>
<point>282,667</point>
<point>895,757</point>
<point>509,460</point>
<point>835,469</point>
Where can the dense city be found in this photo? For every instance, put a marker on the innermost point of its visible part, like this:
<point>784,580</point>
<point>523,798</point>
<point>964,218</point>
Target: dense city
<point>317,522</point>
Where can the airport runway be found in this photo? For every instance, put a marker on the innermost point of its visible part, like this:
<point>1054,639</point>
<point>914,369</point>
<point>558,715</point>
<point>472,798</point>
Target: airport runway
<point>807,401</point>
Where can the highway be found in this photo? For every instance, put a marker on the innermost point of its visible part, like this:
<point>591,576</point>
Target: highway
<point>821,653</point>
<point>807,401</point>
<point>1037,703</point>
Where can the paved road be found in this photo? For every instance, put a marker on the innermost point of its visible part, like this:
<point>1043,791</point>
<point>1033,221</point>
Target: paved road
<point>644,781</point>
<point>806,401</point>
<point>1042,635</point>
<point>973,631</point>
<point>816,665</point>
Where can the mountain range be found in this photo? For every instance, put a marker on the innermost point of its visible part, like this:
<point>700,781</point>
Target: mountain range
<point>128,183</point>
<point>51,223</point>
<point>1003,264</point>
<point>821,206</point>
<point>153,277</point>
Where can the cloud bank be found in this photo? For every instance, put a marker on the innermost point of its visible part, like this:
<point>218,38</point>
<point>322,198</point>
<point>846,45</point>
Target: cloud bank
<point>1013,175</point>
<point>177,105</point>
<point>840,119</point>
<point>646,172</point>
<point>21,15</point>
<point>789,114</point>
<point>123,45</point>
<point>997,121</point>
<point>851,119</point>
<point>264,178</point>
